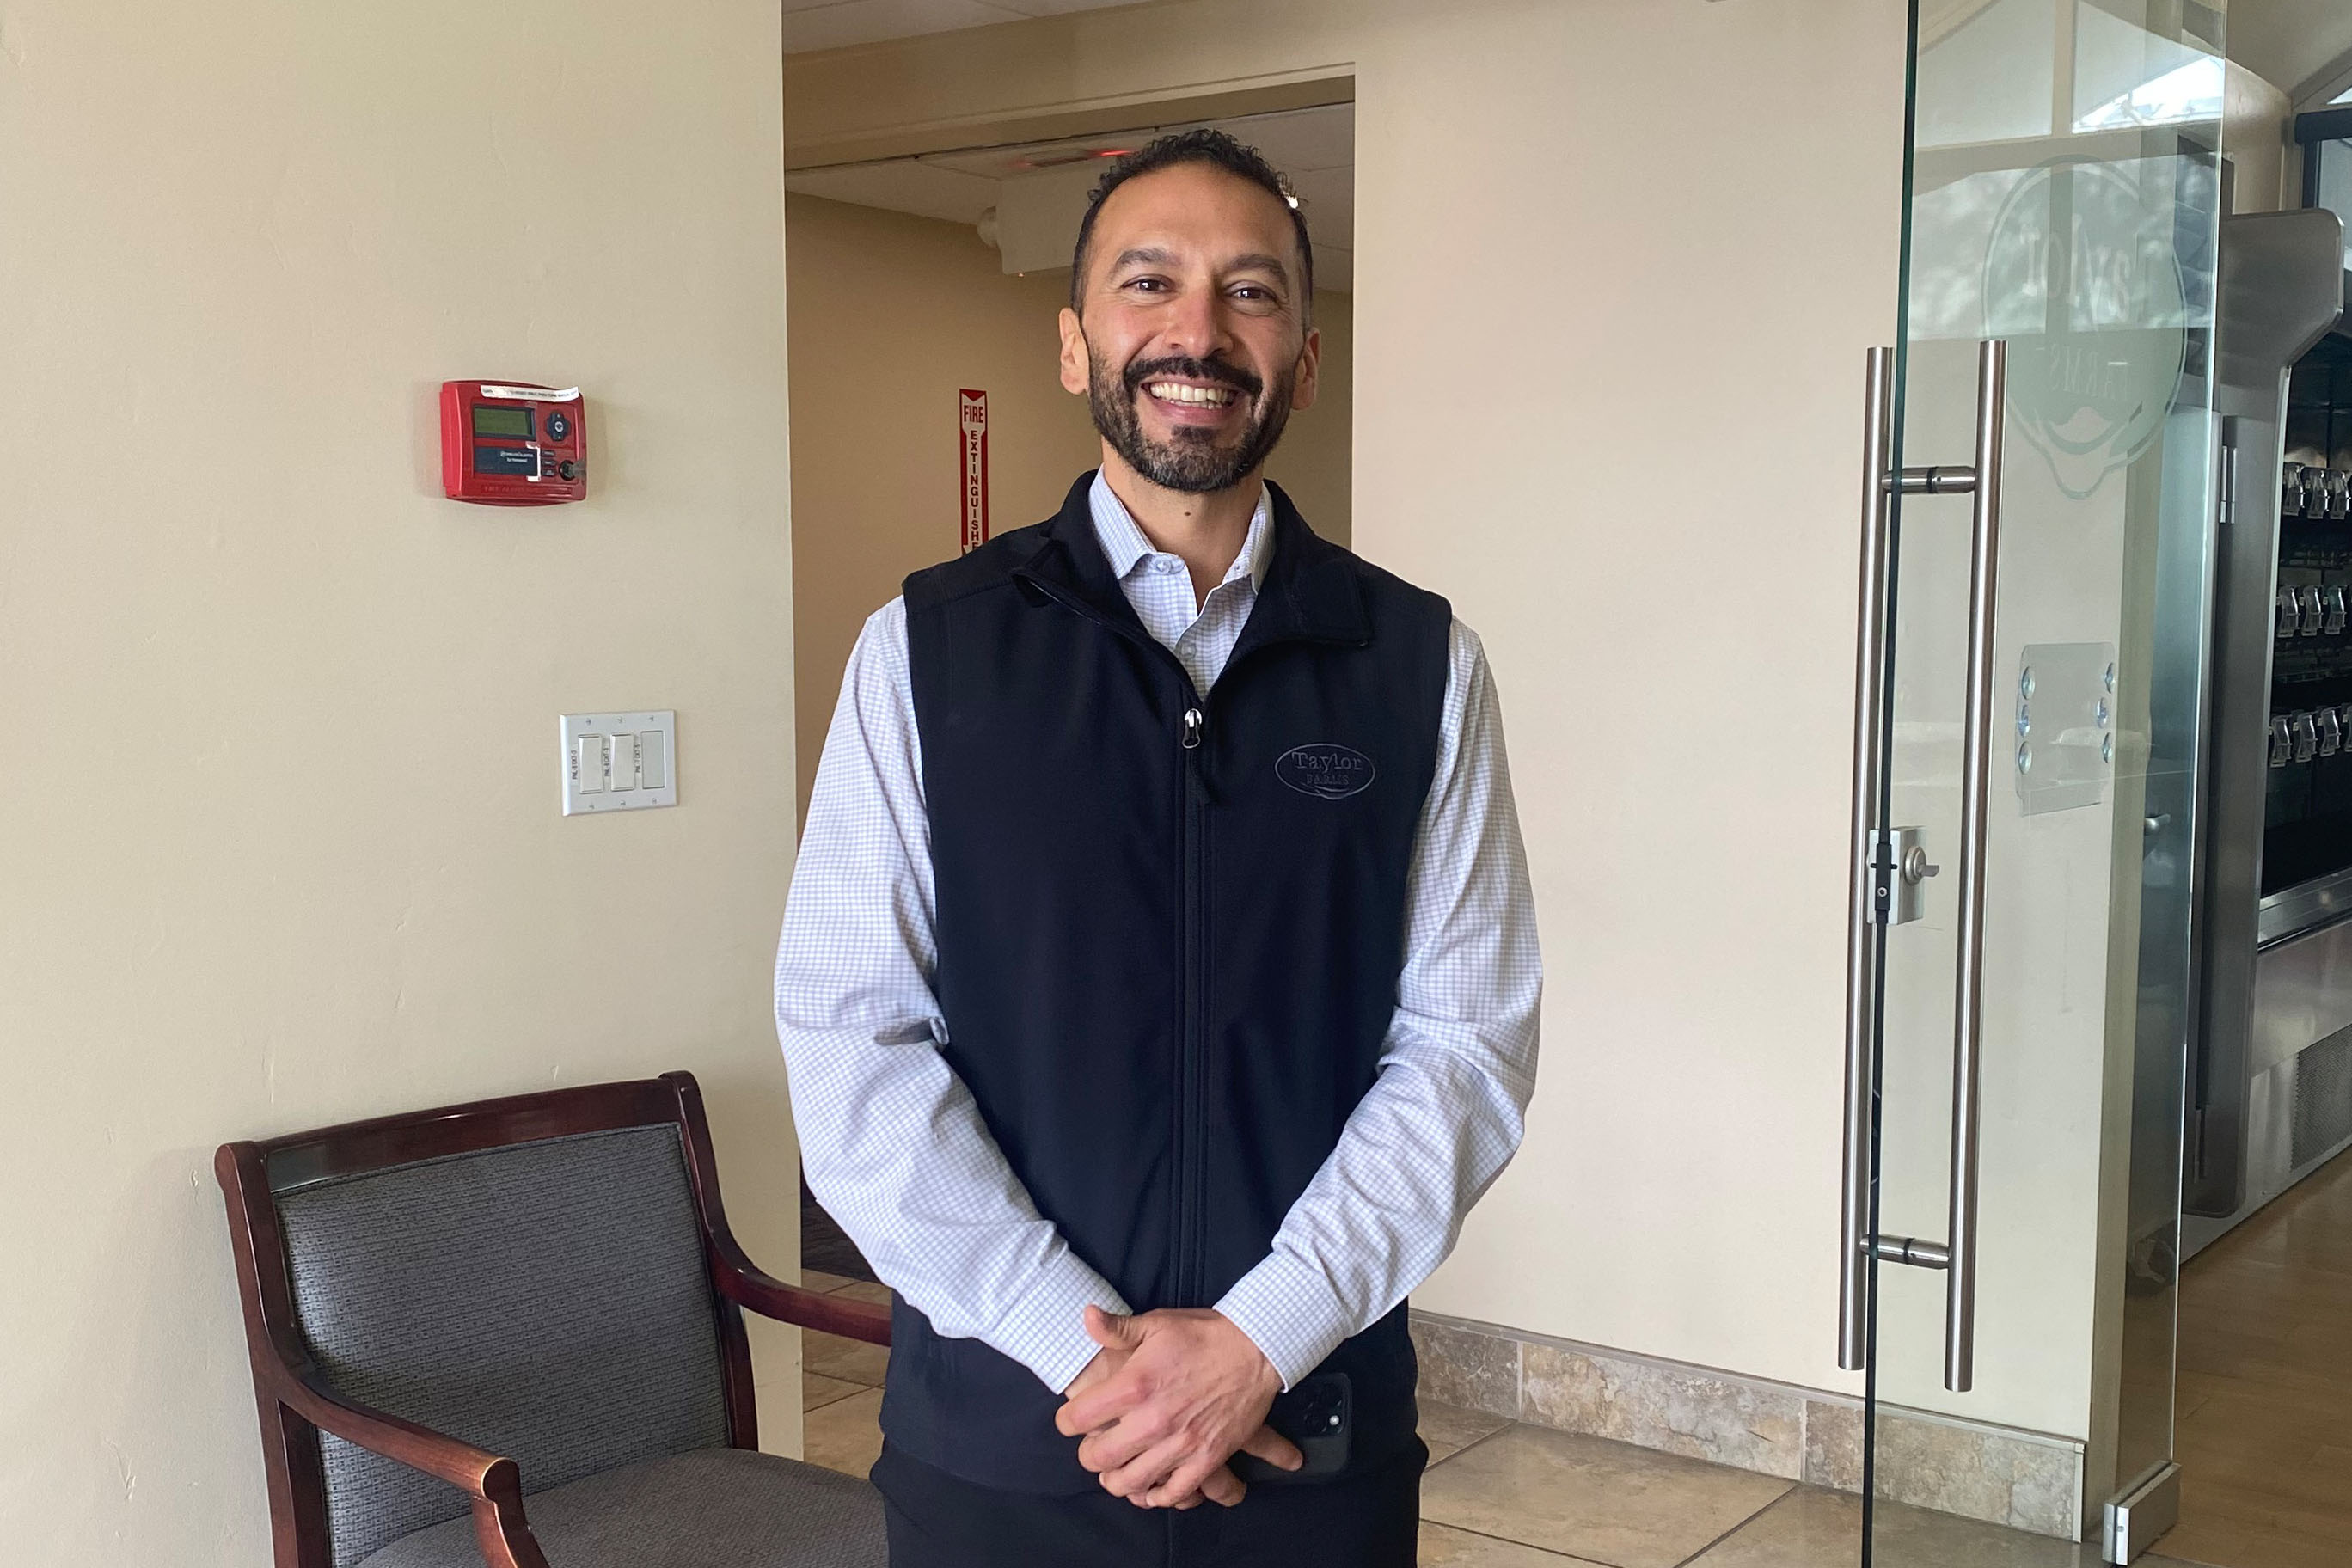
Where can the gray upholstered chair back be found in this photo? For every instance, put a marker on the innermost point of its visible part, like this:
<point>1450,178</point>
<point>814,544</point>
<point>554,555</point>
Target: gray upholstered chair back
<point>548,1301</point>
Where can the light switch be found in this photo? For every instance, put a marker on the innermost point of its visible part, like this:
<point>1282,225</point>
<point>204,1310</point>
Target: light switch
<point>592,766</point>
<point>619,761</point>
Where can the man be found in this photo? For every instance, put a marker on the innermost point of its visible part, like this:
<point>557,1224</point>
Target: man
<point>1159,978</point>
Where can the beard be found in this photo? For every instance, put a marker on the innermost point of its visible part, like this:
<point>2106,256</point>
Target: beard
<point>1195,462</point>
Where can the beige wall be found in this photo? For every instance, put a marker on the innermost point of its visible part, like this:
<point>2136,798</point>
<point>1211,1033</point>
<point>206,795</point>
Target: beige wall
<point>889,315</point>
<point>1609,334</point>
<point>1315,461</point>
<point>283,845</point>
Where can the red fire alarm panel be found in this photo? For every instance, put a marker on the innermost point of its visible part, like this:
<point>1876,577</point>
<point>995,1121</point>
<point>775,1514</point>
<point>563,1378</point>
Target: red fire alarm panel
<point>506,442</point>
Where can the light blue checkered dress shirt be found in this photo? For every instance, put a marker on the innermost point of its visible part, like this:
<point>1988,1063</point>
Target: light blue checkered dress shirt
<point>895,1148</point>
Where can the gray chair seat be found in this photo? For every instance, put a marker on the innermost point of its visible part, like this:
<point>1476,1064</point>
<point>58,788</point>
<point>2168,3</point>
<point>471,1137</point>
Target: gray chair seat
<point>712,1507</point>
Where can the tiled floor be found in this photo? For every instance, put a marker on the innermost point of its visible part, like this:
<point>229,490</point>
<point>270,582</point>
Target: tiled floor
<point>2266,1392</point>
<point>1500,1494</point>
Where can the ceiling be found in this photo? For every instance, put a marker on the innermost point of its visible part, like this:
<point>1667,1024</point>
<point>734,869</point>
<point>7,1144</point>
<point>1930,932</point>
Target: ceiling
<point>2294,45</point>
<point>1315,147</point>
<point>836,24</point>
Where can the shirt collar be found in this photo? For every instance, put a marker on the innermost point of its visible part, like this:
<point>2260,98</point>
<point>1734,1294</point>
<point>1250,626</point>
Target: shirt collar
<point>1125,546</point>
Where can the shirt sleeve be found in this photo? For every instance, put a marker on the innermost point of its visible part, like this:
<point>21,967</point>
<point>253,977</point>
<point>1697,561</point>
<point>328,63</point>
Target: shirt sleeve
<point>1456,1069</point>
<point>891,1141</point>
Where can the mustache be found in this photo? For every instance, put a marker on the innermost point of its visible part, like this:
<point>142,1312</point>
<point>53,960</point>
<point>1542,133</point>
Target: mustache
<point>1191,368</point>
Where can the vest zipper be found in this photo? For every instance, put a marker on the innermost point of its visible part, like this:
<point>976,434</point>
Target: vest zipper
<point>1189,1219</point>
<point>1189,1223</point>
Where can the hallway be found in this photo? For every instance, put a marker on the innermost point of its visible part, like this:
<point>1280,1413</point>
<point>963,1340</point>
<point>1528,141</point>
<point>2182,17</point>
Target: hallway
<point>1503,1494</point>
<point>2265,1393</point>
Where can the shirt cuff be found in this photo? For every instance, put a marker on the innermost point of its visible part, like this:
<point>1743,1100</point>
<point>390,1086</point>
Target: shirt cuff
<point>1290,1312</point>
<point>1045,1330</point>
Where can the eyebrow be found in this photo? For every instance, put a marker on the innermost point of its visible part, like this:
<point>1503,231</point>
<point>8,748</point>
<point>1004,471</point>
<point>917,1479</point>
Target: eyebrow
<point>1149,255</point>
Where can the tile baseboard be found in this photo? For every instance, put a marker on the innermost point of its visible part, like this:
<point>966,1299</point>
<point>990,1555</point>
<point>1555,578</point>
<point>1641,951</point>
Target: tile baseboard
<point>2024,1480</point>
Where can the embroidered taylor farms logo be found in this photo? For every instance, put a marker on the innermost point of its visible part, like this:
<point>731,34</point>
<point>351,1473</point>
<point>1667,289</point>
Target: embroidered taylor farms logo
<point>1333,772</point>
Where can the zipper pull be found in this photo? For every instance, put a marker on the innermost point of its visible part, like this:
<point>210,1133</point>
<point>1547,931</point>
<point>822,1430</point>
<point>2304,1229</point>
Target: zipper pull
<point>1192,729</point>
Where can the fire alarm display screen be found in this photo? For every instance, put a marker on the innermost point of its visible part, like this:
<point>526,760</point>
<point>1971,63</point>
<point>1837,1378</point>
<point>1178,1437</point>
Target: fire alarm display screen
<point>509,422</point>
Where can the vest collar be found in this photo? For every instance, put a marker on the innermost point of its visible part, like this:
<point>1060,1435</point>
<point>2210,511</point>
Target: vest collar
<point>1310,593</point>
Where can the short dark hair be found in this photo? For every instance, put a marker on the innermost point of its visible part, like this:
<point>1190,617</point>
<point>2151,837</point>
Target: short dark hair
<point>1201,146</point>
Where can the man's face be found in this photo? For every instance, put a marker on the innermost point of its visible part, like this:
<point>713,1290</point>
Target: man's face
<point>1191,343</point>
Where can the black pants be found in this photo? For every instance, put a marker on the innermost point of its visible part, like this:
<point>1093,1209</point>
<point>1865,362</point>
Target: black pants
<point>938,1521</point>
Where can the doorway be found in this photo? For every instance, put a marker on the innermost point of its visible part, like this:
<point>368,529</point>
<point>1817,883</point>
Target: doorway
<point>915,280</point>
<point>2091,915</point>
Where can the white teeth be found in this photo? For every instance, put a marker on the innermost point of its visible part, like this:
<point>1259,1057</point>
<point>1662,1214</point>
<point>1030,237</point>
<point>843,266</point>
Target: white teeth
<point>1176,392</point>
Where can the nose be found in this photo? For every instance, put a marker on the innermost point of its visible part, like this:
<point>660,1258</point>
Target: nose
<point>1196,326</point>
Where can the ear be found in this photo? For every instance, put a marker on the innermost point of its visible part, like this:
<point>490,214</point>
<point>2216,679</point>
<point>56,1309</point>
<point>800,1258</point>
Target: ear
<point>1310,373</point>
<point>1077,365</point>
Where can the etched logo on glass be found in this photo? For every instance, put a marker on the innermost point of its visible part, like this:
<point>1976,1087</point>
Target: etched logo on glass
<point>2082,275</point>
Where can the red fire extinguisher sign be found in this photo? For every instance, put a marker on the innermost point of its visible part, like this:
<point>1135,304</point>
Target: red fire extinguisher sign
<point>971,430</point>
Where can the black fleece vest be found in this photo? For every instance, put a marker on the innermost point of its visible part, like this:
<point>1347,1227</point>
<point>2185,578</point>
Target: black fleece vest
<point>1170,930</point>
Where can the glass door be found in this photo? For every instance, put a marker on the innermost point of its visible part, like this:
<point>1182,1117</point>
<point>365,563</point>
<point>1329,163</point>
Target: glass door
<point>2041,463</point>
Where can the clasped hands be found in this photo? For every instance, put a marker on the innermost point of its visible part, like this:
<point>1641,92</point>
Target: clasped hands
<point>1169,1398</point>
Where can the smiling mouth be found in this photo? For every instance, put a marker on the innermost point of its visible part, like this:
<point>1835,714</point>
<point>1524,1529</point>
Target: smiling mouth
<point>1185,395</point>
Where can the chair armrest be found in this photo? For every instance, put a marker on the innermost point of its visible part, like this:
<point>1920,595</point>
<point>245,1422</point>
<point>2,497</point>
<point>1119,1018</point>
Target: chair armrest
<point>493,1483</point>
<point>740,1282</point>
<point>475,1471</point>
<point>739,1278</point>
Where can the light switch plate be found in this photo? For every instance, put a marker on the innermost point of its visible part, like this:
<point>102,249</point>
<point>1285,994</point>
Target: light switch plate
<point>656,734</point>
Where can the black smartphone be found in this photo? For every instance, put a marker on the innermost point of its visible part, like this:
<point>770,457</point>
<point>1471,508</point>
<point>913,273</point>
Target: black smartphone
<point>1316,1413</point>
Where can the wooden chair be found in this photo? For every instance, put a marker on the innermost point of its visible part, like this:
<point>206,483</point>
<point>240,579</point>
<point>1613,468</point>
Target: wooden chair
<point>449,1309</point>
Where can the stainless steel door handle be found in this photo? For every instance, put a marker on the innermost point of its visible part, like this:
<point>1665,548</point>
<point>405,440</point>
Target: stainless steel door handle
<point>1863,912</point>
<point>1976,766</point>
<point>1870,906</point>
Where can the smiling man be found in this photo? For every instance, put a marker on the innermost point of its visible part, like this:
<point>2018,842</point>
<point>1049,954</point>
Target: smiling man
<point>1159,978</point>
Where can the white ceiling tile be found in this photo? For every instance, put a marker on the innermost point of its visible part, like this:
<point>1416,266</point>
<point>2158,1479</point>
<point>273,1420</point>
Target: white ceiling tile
<point>901,184</point>
<point>1300,139</point>
<point>1006,163</point>
<point>1064,7</point>
<point>847,22</point>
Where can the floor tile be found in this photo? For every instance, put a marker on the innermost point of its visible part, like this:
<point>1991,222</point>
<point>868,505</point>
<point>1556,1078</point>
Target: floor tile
<point>1442,1546</point>
<point>1450,1428</point>
<point>865,1291</point>
<point>1810,1528</point>
<point>846,1435</point>
<point>1589,1498</point>
<point>852,1361</point>
<point>817,1389</point>
<point>819,1280</point>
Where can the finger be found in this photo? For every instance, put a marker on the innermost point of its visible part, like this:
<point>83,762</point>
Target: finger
<point>1114,1447</point>
<point>1115,1397</point>
<point>1113,1331</point>
<point>1149,1473</point>
<point>1275,1449</point>
<point>1223,1488</point>
<point>1190,1476</point>
<point>1090,1375</point>
<point>1190,1502</point>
